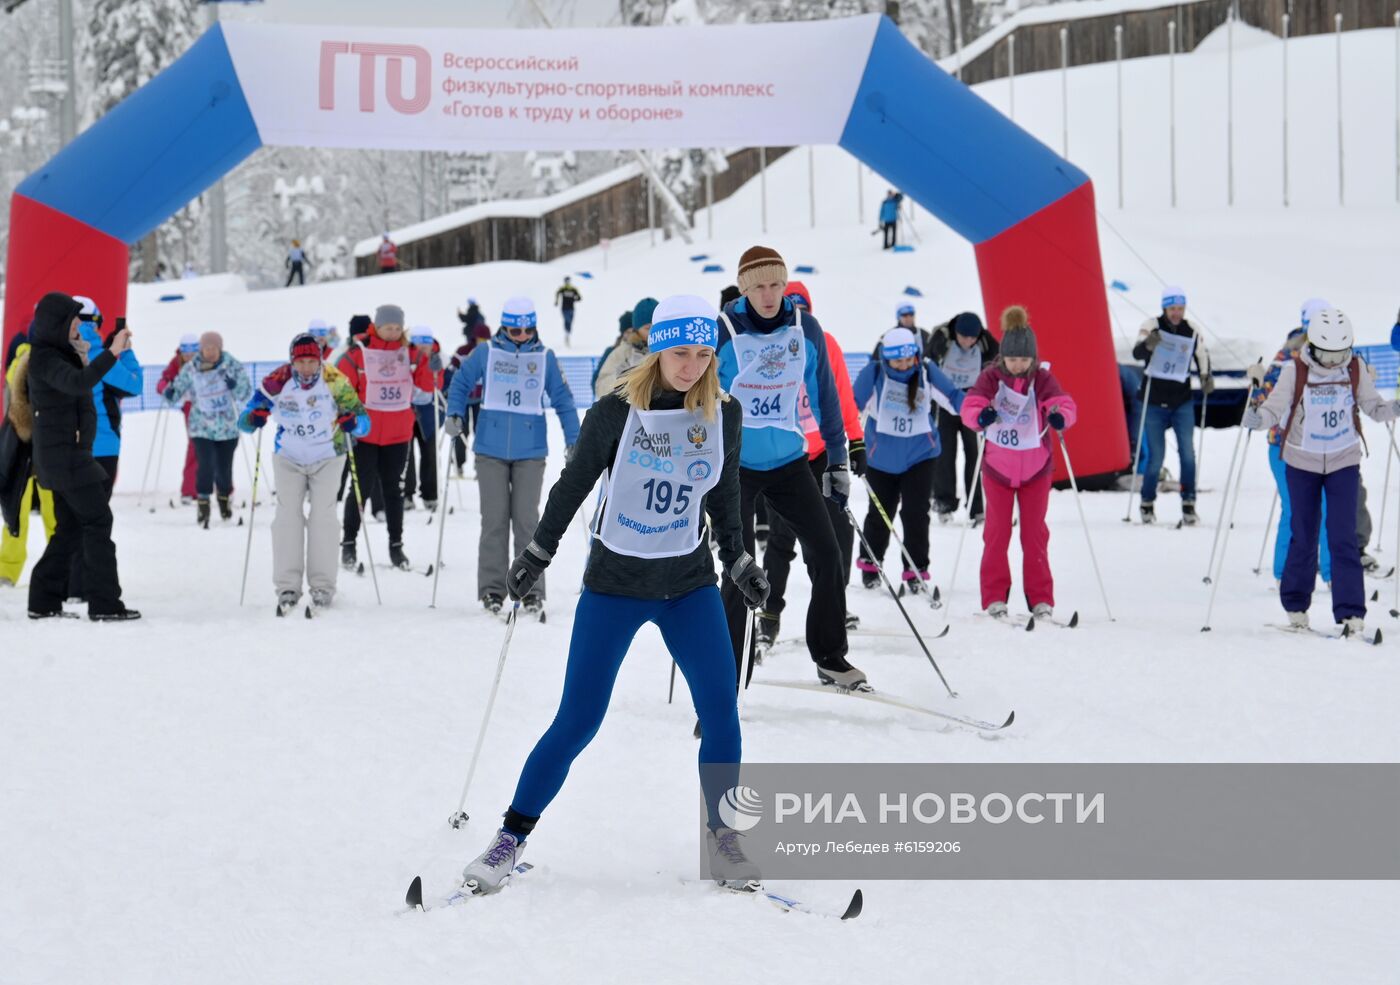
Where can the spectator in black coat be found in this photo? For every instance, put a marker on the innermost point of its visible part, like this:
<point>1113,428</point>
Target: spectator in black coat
<point>61,379</point>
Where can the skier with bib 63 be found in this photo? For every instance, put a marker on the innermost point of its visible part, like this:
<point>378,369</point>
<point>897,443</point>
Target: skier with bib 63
<point>1318,401</point>
<point>1015,403</point>
<point>315,407</point>
<point>668,440</point>
<point>901,450</point>
<point>511,441</point>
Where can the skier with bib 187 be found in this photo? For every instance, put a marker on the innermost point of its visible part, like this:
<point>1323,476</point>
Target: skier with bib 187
<point>511,440</point>
<point>1318,401</point>
<point>306,462</point>
<point>668,439</point>
<point>902,449</point>
<point>768,351</point>
<point>1169,344</point>
<point>383,370</point>
<point>1007,404</point>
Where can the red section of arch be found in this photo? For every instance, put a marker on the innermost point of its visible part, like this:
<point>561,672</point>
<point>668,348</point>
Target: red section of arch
<point>50,251</point>
<point>1049,263</point>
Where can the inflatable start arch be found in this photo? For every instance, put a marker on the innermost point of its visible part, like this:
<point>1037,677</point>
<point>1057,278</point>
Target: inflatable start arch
<point>856,82</point>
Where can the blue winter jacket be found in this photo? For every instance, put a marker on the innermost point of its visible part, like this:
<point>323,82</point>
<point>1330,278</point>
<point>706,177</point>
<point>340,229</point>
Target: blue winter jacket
<point>122,380</point>
<point>765,449</point>
<point>513,437</point>
<point>891,452</point>
<point>889,210</point>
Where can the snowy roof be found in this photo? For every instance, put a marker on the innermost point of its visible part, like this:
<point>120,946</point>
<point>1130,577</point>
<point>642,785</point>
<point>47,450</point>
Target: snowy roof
<point>1053,13</point>
<point>527,208</point>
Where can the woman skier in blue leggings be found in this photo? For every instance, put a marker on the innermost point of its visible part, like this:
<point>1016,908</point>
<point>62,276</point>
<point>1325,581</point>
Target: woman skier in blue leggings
<point>669,441</point>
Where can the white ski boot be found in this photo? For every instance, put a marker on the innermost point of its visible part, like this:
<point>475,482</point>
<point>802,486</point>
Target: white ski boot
<point>729,866</point>
<point>1042,610</point>
<point>488,871</point>
<point>287,601</point>
<point>997,610</point>
<point>1354,627</point>
<point>1298,622</point>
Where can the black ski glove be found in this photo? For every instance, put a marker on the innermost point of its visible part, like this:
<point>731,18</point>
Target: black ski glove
<point>856,454</point>
<point>987,418</point>
<point>1056,419</point>
<point>750,579</point>
<point>526,570</point>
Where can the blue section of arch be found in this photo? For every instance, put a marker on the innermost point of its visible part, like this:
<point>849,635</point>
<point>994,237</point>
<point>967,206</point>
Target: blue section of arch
<point>155,151</point>
<point>935,139</point>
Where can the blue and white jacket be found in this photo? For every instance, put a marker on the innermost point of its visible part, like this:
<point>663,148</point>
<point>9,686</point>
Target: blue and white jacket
<point>891,452</point>
<point>765,449</point>
<point>122,380</point>
<point>503,435</point>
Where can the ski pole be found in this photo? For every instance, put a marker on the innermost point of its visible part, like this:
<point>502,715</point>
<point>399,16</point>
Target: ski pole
<point>1395,612</point>
<point>908,560</point>
<point>461,816</point>
<point>671,692</point>
<point>890,588</point>
<point>1201,451</point>
<point>442,532</point>
<point>749,615</point>
<point>252,512</point>
<point>1074,484</point>
<point>151,455</point>
<point>1137,451</point>
<point>1224,502</point>
<point>360,515</point>
<point>1385,488</point>
<point>1225,540</point>
<point>1268,526</point>
<point>967,522</point>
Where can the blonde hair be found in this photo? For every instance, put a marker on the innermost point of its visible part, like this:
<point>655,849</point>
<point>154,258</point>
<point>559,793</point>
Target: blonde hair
<point>1015,317</point>
<point>643,383</point>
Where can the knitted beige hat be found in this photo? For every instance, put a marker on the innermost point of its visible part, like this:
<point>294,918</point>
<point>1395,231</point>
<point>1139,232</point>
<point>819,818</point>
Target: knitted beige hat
<point>760,264</point>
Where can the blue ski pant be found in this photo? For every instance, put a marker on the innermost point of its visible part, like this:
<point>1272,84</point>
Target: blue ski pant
<point>1182,421</point>
<point>1285,520</point>
<point>1306,490</point>
<point>695,631</point>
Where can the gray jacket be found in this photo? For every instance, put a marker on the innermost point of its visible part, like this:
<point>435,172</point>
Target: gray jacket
<point>1276,409</point>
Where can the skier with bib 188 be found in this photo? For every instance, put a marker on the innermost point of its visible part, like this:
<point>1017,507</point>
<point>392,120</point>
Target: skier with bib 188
<point>768,351</point>
<point>383,370</point>
<point>668,439</point>
<point>511,440</point>
<point>1007,404</point>
<point>1169,344</point>
<point>902,449</point>
<point>1318,401</point>
<point>299,395</point>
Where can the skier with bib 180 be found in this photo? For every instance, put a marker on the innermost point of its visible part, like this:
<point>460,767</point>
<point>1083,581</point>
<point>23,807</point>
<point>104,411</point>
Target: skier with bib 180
<point>517,370</point>
<point>1007,404</point>
<point>768,351</point>
<point>668,439</point>
<point>1318,401</point>
<point>901,449</point>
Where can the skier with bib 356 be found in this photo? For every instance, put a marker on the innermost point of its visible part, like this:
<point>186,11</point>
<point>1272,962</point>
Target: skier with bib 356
<point>668,440</point>
<point>768,351</point>
<point>1008,403</point>
<point>901,450</point>
<point>1318,401</point>
<point>315,407</point>
<point>1169,344</point>
<point>517,370</point>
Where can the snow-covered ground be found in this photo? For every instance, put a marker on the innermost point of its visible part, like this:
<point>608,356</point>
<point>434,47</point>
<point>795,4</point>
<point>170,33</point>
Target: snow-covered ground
<point>214,795</point>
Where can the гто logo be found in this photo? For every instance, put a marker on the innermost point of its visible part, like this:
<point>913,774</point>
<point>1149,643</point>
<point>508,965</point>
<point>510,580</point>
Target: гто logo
<point>393,74</point>
<point>741,808</point>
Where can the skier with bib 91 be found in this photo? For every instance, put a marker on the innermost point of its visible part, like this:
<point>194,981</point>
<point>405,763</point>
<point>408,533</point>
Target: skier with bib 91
<point>516,370</point>
<point>1007,404</point>
<point>768,351</point>
<point>668,440</point>
<point>1318,401</point>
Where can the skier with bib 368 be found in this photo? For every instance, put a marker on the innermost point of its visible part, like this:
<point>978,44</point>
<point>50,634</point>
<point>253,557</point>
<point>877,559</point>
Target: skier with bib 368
<point>768,351</point>
<point>517,370</point>
<point>315,407</point>
<point>901,450</point>
<point>1008,404</point>
<point>218,385</point>
<point>1169,344</point>
<point>1318,401</point>
<point>668,439</point>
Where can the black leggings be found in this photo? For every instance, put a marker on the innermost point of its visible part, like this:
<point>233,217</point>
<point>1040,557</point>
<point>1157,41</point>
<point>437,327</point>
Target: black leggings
<point>380,470</point>
<point>908,492</point>
<point>214,465</point>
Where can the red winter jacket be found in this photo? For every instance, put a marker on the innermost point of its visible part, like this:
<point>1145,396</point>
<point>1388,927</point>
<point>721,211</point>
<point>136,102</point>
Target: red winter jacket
<point>850,413</point>
<point>386,427</point>
<point>1016,468</point>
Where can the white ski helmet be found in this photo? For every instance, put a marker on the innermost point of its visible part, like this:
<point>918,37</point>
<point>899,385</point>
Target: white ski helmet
<point>1329,330</point>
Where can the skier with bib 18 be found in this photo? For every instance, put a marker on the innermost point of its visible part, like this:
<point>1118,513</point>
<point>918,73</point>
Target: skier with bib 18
<point>517,370</point>
<point>668,439</point>
<point>1318,401</point>
<point>902,449</point>
<point>1007,404</point>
